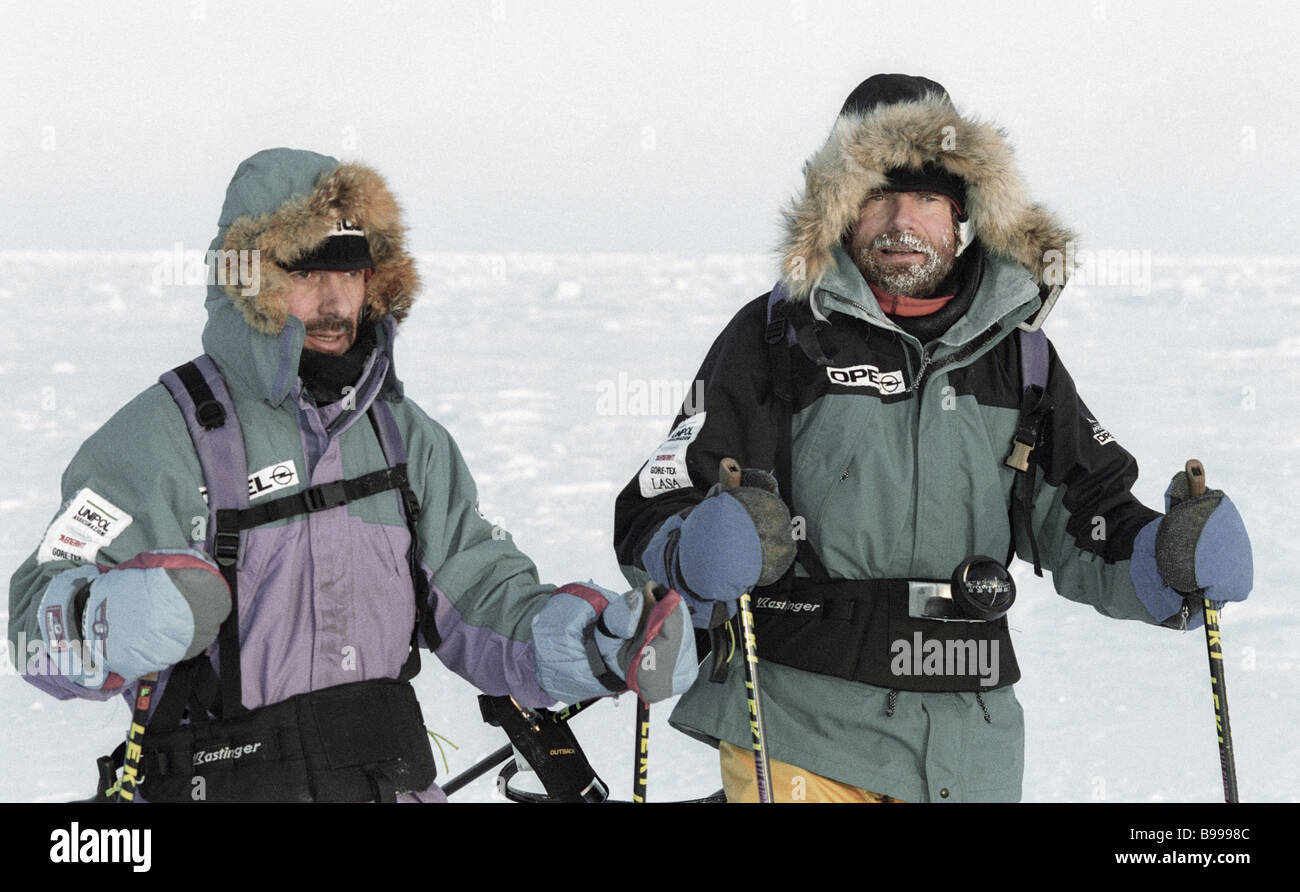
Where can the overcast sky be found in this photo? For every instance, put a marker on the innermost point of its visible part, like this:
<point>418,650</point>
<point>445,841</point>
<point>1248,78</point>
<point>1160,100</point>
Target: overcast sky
<point>662,126</point>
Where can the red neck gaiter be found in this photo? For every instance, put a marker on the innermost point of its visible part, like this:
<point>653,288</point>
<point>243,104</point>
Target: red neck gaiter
<point>900,305</point>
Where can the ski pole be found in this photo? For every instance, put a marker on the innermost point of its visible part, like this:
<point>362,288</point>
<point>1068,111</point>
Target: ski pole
<point>131,758</point>
<point>729,475</point>
<point>478,769</point>
<point>641,761</point>
<point>1214,645</point>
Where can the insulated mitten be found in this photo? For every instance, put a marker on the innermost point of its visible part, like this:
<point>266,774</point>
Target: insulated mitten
<point>591,642</point>
<point>104,627</point>
<point>737,538</point>
<point>1200,545</point>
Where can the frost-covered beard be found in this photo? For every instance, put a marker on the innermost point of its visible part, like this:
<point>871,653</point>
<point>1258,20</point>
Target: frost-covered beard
<point>918,280</point>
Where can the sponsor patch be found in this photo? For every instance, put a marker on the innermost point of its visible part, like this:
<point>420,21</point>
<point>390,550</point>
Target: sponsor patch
<point>867,376</point>
<point>1099,433</point>
<point>56,633</point>
<point>89,523</point>
<point>272,478</point>
<point>225,753</point>
<point>780,605</point>
<point>666,469</point>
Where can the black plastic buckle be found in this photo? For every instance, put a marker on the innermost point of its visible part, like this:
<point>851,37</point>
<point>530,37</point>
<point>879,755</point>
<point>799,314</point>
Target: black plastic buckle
<point>225,544</point>
<point>324,496</point>
<point>211,414</point>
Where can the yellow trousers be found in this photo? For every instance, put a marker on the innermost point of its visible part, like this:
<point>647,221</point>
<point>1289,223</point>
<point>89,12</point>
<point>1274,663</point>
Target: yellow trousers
<point>789,782</point>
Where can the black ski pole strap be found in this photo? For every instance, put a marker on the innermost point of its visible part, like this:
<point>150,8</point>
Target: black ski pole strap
<point>108,766</point>
<point>721,637</point>
<point>597,666</point>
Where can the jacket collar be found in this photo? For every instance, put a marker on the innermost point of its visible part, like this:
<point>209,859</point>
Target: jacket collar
<point>266,366</point>
<point>1007,295</point>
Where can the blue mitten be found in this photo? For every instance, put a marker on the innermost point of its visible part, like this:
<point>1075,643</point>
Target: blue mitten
<point>1199,546</point>
<point>107,627</point>
<point>591,642</point>
<point>736,539</point>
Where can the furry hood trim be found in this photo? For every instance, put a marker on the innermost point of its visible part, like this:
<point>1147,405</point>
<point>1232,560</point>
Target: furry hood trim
<point>298,221</point>
<point>863,146</point>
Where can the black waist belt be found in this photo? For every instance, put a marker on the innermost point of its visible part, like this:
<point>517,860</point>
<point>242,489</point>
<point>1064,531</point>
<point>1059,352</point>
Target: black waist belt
<point>357,742</point>
<point>865,630</point>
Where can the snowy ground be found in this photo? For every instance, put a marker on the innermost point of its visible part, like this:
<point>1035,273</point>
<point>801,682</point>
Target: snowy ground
<point>520,356</point>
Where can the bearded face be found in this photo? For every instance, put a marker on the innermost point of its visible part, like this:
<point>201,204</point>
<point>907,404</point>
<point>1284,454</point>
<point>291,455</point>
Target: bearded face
<point>906,242</point>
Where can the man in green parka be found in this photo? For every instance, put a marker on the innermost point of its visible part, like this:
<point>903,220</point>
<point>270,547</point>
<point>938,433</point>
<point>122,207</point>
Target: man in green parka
<point>254,551</point>
<point>923,432</point>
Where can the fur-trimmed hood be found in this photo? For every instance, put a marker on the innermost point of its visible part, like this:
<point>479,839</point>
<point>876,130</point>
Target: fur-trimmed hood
<point>864,145</point>
<point>284,203</point>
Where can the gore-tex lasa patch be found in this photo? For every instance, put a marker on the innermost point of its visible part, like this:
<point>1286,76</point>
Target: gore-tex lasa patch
<point>666,468</point>
<point>89,523</point>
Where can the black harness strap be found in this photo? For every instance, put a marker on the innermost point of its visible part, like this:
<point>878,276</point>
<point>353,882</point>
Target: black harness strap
<point>323,496</point>
<point>411,511</point>
<point>226,553</point>
<point>207,408</point>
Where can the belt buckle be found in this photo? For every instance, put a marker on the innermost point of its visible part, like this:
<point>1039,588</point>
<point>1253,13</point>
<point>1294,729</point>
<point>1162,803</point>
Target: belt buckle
<point>928,599</point>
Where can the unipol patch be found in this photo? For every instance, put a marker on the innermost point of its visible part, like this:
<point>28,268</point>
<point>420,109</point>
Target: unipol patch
<point>89,523</point>
<point>666,469</point>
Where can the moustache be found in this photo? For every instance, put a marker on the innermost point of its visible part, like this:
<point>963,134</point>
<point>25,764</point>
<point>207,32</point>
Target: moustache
<point>903,240</point>
<point>331,324</point>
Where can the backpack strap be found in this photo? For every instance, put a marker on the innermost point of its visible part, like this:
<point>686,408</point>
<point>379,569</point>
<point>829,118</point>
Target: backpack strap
<point>1034,358</point>
<point>390,440</point>
<point>1035,408</point>
<point>780,335</point>
<point>205,403</point>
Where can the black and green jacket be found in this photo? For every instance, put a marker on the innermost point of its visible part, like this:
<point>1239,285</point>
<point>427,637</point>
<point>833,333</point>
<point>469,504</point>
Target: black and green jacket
<point>898,471</point>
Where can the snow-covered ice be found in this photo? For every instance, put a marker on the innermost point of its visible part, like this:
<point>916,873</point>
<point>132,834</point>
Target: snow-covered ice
<point>513,352</point>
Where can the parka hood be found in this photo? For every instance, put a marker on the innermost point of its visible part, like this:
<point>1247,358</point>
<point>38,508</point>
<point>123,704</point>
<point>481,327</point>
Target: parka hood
<point>927,130</point>
<point>284,202</point>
